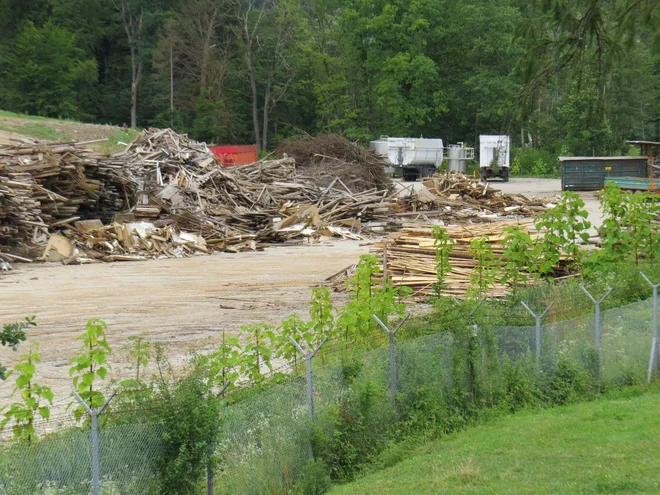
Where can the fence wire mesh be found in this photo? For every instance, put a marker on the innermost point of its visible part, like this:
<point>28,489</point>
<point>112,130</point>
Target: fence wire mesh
<point>61,463</point>
<point>264,441</point>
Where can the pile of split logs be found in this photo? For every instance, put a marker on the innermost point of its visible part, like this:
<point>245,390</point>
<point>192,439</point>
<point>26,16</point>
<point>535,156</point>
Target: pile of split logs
<point>167,196</point>
<point>456,197</point>
<point>411,257</point>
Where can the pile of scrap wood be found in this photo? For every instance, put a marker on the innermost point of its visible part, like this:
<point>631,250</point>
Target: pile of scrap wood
<point>411,257</point>
<point>332,157</point>
<point>45,185</point>
<point>457,197</point>
<point>165,195</point>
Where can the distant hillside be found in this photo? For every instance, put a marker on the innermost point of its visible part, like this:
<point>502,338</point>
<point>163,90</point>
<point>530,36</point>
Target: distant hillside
<point>15,126</point>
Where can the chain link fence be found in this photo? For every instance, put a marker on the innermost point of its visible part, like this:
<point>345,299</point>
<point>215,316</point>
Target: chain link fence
<point>61,463</point>
<point>266,439</point>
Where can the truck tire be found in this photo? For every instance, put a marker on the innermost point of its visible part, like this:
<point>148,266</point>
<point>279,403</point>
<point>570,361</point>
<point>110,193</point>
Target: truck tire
<point>505,175</point>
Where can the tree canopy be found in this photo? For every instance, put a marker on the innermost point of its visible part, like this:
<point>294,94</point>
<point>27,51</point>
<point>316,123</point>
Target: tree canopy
<point>575,77</point>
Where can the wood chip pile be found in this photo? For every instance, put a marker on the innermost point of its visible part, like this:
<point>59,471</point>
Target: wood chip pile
<point>167,196</point>
<point>411,257</point>
<point>456,197</point>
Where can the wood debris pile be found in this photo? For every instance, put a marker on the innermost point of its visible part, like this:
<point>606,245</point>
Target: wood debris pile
<point>167,196</point>
<point>457,197</point>
<point>43,186</point>
<point>411,257</point>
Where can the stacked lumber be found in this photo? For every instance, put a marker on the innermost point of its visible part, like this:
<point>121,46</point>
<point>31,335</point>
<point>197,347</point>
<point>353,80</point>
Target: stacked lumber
<point>411,257</point>
<point>457,197</point>
<point>45,184</point>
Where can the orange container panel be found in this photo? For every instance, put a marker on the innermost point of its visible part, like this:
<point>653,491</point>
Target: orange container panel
<point>236,155</point>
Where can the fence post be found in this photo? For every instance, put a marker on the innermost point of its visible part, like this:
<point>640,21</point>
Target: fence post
<point>471,348</point>
<point>653,360</point>
<point>392,334</point>
<point>96,458</point>
<point>209,467</point>
<point>385,263</point>
<point>538,319</point>
<point>310,386</point>
<point>597,303</point>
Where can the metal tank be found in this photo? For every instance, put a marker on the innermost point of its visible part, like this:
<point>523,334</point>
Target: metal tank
<point>457,157</point>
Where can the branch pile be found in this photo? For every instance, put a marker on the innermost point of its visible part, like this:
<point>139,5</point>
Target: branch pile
<point>332,157</point>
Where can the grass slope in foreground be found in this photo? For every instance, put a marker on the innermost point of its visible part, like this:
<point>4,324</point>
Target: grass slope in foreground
<point>611,445</point>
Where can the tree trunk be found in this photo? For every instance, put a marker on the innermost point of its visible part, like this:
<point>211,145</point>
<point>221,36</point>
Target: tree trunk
<point>206,48</point>
<point>264,126</point>
<point>253,87</point>
<point>135,81</point>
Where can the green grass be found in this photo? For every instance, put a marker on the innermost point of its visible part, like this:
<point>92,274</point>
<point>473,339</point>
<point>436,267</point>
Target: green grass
<point>606,446</point>
<point>41,131</point>
<point>114,141</point>
<point>66,130</point>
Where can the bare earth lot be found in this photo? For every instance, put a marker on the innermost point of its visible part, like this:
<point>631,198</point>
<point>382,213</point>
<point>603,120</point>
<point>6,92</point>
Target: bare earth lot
<point>182,303</point>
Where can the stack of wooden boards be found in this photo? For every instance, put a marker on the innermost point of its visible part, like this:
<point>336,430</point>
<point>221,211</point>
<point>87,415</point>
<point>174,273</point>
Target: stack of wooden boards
<point>43,186</point>
<point>457,197</point>
<point>411,257</point>
<point>167,196</point>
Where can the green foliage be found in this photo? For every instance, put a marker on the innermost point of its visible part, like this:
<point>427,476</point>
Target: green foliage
<point>356,320</point>
<point>568,383</point>
<point>314,479</point>
<point>629,231</point>
<point>22,414</point>
<point>189,413</point>
<point>43,70</point>
<point>90,364</point>
<point>321,315</point>
<point>257,352</point>
<point>225,363</point>
<point>485,272</point>
<point>563,228</point>
<point>521,389</point>
<point>517,256</point>
<point>135,391</point>
<point>355,432</point>
<point>13,334</point>
<point>444,245</point>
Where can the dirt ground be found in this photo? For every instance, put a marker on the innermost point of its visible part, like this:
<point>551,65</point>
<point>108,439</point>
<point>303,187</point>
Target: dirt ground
<point>549,188</point>
<point>183,303</point>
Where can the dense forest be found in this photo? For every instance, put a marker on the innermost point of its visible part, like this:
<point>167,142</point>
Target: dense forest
<point>573,77</point>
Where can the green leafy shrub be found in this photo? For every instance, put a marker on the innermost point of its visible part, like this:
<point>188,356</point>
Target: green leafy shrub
<point>13,334</point>
<point>90,364</point>
<point>189,413</point>
<point>22,414</point>
<point>568,382</point>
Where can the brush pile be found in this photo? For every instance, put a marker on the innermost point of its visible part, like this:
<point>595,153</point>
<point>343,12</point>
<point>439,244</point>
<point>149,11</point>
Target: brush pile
<point>331,157</point>
<point>167,196</point>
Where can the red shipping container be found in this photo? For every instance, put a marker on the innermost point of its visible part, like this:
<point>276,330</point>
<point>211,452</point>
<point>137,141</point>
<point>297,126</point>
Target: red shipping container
<point>233,156</point>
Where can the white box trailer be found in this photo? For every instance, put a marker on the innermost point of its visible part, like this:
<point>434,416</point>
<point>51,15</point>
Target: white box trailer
<point>411,157</point>
<point>494,154</point>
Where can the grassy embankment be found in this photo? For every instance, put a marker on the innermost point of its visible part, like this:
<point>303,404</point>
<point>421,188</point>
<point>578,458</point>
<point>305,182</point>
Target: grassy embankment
<point>606,446</point>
